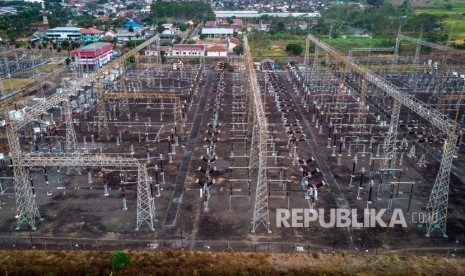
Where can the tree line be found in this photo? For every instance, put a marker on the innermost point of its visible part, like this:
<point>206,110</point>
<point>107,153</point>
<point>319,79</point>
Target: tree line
<point>186,10</point>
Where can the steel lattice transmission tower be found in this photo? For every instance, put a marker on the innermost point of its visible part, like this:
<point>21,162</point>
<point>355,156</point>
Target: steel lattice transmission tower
<point>436,208</point>
<point>258,152</point>
<point>26,206</point>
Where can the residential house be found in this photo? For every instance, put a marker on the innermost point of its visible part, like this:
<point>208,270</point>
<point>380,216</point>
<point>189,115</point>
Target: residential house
<point>231,43</point>
<point>218,32</point>
<point>217,51</point>
<point>90,35</point>
<point>155,50</point>
<point>188,50</point>
<point>132,23</point>
<point>63,33</point>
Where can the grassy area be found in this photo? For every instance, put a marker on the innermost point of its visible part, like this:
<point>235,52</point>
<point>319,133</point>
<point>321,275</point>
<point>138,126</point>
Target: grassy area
<point>275,48</point>
<point>13,84</point>
<point>346,44</point>
<point>47,68</point>
<point>36,262</point>
<point>454,13</point>
<point>267,47</point>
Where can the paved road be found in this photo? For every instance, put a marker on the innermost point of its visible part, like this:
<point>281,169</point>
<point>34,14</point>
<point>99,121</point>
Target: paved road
<point>195,32</point>
<point>176,198</point>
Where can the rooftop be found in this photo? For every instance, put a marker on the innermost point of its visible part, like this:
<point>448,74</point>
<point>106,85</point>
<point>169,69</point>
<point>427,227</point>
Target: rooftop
<point>155,48</point>
<point>90,31</point>
<point>214,31</point>
<point>218,48</point>
<point>234,40</point>
<point>94,47</point>
<point>76,29</point>
<point>189,47</point>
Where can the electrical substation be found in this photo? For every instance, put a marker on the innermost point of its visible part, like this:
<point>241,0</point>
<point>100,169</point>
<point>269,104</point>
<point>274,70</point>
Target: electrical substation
<point>201,152</point>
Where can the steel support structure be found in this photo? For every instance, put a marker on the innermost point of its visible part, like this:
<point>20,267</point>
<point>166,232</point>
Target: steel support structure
<point>315,58</point>
<point>436,209</point>
<point>438,201</point>
<point>360,116</point>
<point>100,77</point>
<point>441,105</point>
<point>26,207</point>
<point>174,98</point>
<point>258,152</point>
<point>419,43</point>
<point>145,199</point>
<point>416,59</point>
<point>370,49</point>
<point>390,146</point>
<point>71,142</point>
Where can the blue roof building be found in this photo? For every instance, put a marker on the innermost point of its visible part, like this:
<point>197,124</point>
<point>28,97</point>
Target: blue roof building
<point>132,23</point>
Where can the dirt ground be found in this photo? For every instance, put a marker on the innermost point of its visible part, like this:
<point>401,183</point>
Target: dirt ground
<point>77,210</point>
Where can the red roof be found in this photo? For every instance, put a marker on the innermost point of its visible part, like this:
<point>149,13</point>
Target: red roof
<point>237,21</point>
<point>153,48</point>
<point>210,24</point>
<point>218,48</point>
<point>234,40</point>
<point>188,47</point>
<point>90,31</point>
<point>93,50</point>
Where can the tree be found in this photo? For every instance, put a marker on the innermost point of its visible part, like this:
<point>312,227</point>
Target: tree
<point>67,61</point>
<point>119,260</point>
<point>65,44</point>
<point>294,49</point>
<point>163,57</point>
<point>131,29</point>
<point>375,2</point>
<point>182,26</point>
<point>239,49</point>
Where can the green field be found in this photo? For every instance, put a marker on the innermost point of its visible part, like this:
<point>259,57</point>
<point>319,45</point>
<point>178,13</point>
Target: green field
<point>346,44</point>
<point>47,68</point>
<point>275,48</point>
<point>455,16</point>
<point>13,84</point>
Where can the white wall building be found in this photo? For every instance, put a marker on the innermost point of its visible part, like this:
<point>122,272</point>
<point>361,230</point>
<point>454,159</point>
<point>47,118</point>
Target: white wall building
<point>217,51</point>
<point>62,33</point>
<point>218,32</point>
<point>188,50</point>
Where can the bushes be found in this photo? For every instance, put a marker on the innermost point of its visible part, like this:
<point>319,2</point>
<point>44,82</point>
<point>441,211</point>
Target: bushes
<point>119,260</point>
<point>294,49</point>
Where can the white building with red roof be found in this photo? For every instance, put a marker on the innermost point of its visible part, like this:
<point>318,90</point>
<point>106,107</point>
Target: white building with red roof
<point>188,50</point>
<point>232,42</point>
<point>90,35</point>
<point>217,51</point>
<point>94,55</point>
<point>153,50</point>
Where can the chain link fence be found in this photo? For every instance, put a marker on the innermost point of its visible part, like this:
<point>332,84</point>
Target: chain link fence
<point>52,243</point>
